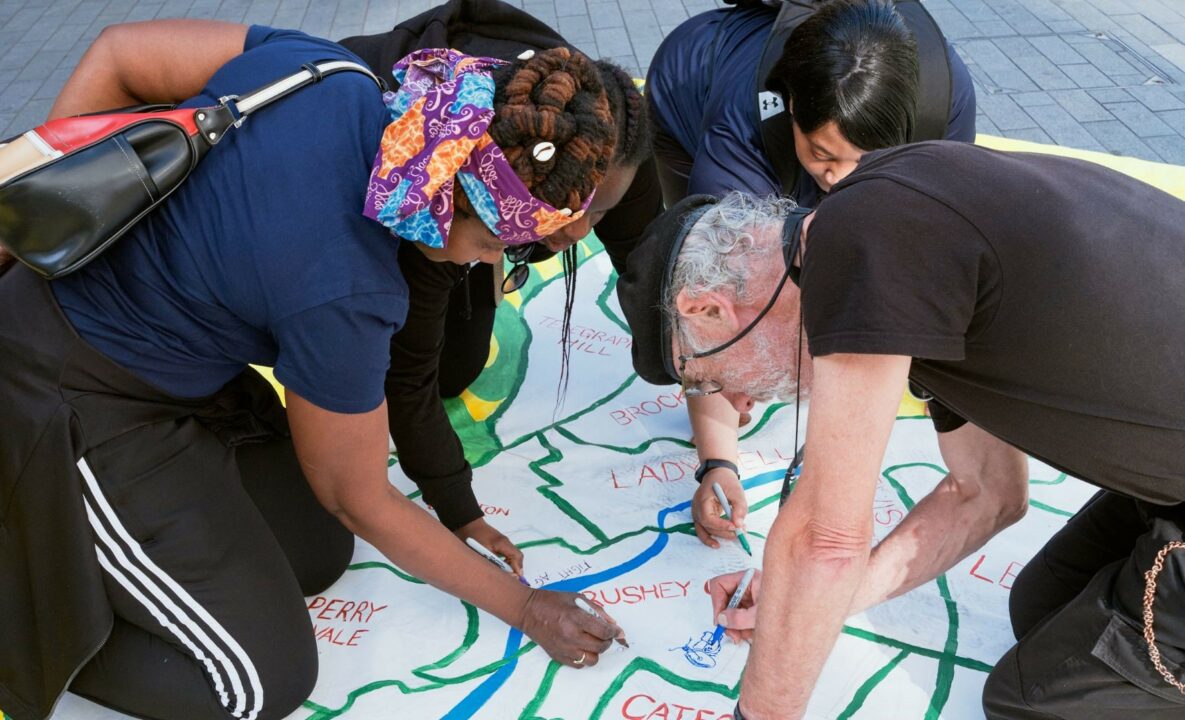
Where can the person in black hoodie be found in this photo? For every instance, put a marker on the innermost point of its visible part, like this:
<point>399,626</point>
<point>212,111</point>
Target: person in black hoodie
<point>446,341</point>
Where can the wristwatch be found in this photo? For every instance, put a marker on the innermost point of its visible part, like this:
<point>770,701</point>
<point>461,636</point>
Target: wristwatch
<point>712,464</point>
<point>736,712</point>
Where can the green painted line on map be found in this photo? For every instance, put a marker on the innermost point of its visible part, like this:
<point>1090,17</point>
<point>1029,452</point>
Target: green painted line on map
<point>646,445</point>
<point>761,423</point>
<point>638,450</point>
<point>1050,509</point>
<point>946,667</point>
<point>552,481</point>
<point>1061,477</point>
<point>866,689</point>
<point>378,564</point>
<point>764,502</point>
<point>529,712</point>
<point>640,664</point>
<point>574,416</point>
<point>484,669</point>
<point>471,623</point>
<point>603,302</point>
<point>964,662</point>
<point>321,712</point>
<point>683,528</point>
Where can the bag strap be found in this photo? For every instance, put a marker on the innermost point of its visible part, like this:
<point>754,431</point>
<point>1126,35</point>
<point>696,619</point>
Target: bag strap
<point>934,84</point>
<point>233,110</point>
<point>934,76</point>
<point>777,129</point>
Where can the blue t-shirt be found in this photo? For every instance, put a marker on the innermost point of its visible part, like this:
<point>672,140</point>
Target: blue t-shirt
<point>703,86</point>
<point>263,255</point>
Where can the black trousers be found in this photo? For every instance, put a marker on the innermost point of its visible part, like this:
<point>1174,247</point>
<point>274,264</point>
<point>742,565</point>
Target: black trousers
<point>468,327</point>
<point>206,531</point>
<point>207,575</point>
<point>1077,609</point>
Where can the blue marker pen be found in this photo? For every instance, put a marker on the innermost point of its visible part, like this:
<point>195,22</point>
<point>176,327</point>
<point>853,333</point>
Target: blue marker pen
<point>735,601</point>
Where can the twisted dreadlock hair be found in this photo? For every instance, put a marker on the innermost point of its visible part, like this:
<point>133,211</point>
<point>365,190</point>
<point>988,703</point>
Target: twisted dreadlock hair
<point>594,115</point>
<point>632,116</point>
<point>631,112</point>
<point>555,96</point>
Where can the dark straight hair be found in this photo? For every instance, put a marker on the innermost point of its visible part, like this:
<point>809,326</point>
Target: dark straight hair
<point>854,62</point>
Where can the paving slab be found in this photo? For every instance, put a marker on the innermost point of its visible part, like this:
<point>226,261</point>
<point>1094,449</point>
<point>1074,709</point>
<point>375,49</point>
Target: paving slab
<point>1101,73</point>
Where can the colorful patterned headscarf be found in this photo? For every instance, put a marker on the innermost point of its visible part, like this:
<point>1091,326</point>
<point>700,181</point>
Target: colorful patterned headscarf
<point>438,134</point>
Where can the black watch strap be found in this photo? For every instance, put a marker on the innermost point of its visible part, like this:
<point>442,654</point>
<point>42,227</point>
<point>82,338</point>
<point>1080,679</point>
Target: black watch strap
<point>736,712</point>
<point>712,464</point>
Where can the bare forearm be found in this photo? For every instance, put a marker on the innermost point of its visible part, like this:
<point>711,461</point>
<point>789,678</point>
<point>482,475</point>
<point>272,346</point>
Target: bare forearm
<point>799,618</point>
<point>417,543</point>
<point>942,529</point>
<point>93,85</point>
<point>149,62</point>
<point>985,492</point>
<point>714,425</point>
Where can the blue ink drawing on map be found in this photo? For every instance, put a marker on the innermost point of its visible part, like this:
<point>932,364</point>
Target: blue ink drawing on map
<point>702,653</point>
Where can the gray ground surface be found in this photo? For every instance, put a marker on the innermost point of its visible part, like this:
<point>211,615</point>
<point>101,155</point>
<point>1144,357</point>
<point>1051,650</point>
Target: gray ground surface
<point>1095,74</point>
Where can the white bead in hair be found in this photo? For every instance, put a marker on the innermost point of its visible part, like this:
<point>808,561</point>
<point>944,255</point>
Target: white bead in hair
<point>526,55</point>
<point>543,151</point>
<point>566,212</point>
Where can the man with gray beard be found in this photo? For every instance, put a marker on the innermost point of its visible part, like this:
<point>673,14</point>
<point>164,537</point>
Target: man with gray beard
<point>1039,302</point>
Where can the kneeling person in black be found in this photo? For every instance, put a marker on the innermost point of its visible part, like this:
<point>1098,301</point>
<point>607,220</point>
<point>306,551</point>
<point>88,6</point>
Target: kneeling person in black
<point>1027,299</point>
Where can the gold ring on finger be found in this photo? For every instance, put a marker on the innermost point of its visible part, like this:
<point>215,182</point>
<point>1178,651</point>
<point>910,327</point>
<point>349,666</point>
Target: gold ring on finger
<point>580,660</point>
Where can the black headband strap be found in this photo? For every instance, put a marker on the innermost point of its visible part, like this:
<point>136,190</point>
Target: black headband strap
<point>791,239</point>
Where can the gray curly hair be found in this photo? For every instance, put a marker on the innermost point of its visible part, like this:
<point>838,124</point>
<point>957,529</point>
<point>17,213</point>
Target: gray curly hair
<point>721,248</point>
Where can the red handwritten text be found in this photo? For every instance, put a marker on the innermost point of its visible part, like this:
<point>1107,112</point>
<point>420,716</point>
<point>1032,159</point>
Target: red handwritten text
<point>667,471</point>
<point>634,594</point>
<point>334,612</point>
<point>644,707</point>
<point>665,401</point>
<point>987,574</point>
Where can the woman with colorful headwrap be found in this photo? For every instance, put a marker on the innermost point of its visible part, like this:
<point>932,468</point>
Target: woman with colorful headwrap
<point>162,515</point>
<point>445,342</point>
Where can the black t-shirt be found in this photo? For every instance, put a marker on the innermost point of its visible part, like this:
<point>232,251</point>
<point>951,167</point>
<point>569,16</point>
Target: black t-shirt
<point>1042,298</point>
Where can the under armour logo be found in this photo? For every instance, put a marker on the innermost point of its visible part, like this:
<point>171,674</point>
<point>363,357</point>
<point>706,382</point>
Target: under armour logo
<point>769,104</point>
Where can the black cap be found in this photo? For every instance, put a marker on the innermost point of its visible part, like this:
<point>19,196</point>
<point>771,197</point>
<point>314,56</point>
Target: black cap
<point>641,290</point>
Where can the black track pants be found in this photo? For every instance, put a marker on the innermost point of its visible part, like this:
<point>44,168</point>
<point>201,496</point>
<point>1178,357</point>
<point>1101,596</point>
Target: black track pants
<point>1077,611</point>
<point>207,552</point>
<point>186,524</point>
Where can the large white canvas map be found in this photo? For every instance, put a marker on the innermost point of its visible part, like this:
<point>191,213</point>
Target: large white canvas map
<point>597,496</point>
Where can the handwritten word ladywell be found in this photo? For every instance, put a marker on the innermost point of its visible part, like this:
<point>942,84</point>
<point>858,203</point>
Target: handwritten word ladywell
<point>335,620</point>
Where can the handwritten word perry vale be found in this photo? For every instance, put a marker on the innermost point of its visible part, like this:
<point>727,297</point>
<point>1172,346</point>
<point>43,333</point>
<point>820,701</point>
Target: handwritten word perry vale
<point>644,707</point>
<point>634,594</point>
<point>334,613</point>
